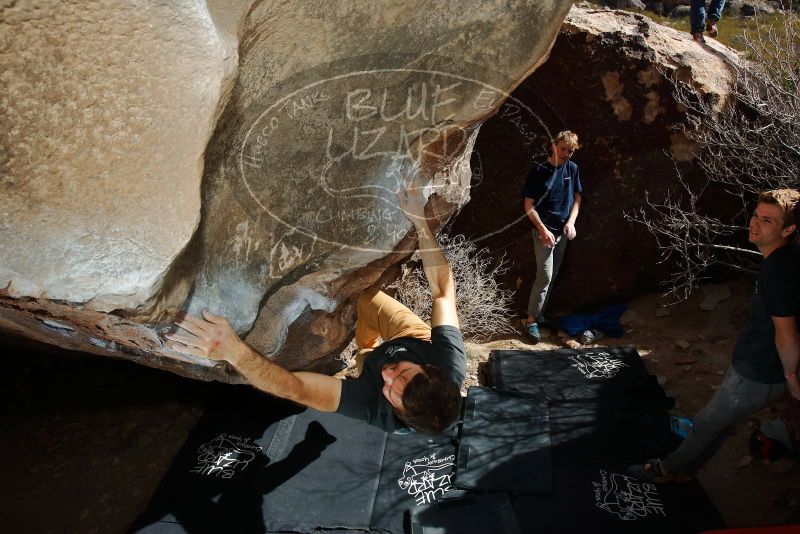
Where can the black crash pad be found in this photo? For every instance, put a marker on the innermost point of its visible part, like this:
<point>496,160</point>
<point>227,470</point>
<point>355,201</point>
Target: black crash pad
<point>606,413</point>
<point>504,443</point>
<point>603,403</point>
<point>604,500</point>
<point>568,374</point>
<point>473,514</point>
<point>258,464</point>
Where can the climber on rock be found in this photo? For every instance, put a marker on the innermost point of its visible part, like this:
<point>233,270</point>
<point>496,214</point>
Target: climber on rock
<point>410,380</point>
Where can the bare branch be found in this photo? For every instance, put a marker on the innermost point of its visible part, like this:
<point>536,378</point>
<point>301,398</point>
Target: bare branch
<point>750,146</point>
<point>484,308</point>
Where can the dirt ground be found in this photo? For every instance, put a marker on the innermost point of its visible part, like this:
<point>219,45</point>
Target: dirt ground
<point>86,440</point>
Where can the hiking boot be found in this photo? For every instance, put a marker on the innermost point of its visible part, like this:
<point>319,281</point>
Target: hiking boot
<point>711,27</point>
<point>698,37</point>
<point>533,333</point>
<point>590,336</point>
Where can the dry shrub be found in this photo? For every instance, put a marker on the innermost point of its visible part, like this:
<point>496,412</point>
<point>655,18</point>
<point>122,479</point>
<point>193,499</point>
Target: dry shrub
<point>484,307</point>
<point>749,146</point>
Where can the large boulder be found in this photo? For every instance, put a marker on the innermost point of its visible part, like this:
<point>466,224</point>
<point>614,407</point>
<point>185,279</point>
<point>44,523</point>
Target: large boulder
<point>609,79</point>
<point>240,157</point>
<point>106,116</point>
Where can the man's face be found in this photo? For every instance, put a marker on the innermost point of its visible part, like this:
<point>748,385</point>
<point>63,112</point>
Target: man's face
<point>766,226</point>
<point>562,152</point>
<point>396,377</point>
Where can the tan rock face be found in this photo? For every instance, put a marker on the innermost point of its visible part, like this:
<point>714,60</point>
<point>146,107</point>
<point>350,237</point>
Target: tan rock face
<point>669,51</point>
<point>283,128</point>
<point>606,79</point>
<point>107,112</point>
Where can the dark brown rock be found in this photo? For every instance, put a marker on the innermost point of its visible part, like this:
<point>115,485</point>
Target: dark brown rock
<point>603,80</point>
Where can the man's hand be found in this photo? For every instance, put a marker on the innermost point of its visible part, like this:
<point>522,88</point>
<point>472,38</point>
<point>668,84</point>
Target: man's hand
<point>412,201</point>
<point>547,237</point>
<point>569,231</point>
<point>434,263</point>
<point>794,387</point>
<point>211,337</point>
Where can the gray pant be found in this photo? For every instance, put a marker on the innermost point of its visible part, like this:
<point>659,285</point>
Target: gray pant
<point>548,263</point>
<point>737,397</point>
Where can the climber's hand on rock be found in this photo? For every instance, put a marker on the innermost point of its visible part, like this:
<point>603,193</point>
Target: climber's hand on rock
<point>412,200</point>
<point>209,337</point>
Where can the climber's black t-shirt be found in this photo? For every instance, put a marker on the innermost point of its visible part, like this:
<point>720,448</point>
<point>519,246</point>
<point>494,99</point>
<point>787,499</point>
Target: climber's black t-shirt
<point>363,398</point>
<point>777,295</point>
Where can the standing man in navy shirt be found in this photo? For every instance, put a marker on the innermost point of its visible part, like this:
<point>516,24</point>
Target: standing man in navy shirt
<point>552,196</point>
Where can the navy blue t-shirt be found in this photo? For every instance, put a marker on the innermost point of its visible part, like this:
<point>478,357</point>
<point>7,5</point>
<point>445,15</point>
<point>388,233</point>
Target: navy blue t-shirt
<point>755,356</point>
<point>363,398</point>
<point>553,190</point>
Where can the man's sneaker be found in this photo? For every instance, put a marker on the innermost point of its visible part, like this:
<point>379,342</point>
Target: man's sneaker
<point>590,336</point>
<point>533,333</point>
<point>711,27</point>
<point>680,426</point>
<point>698,37</point>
